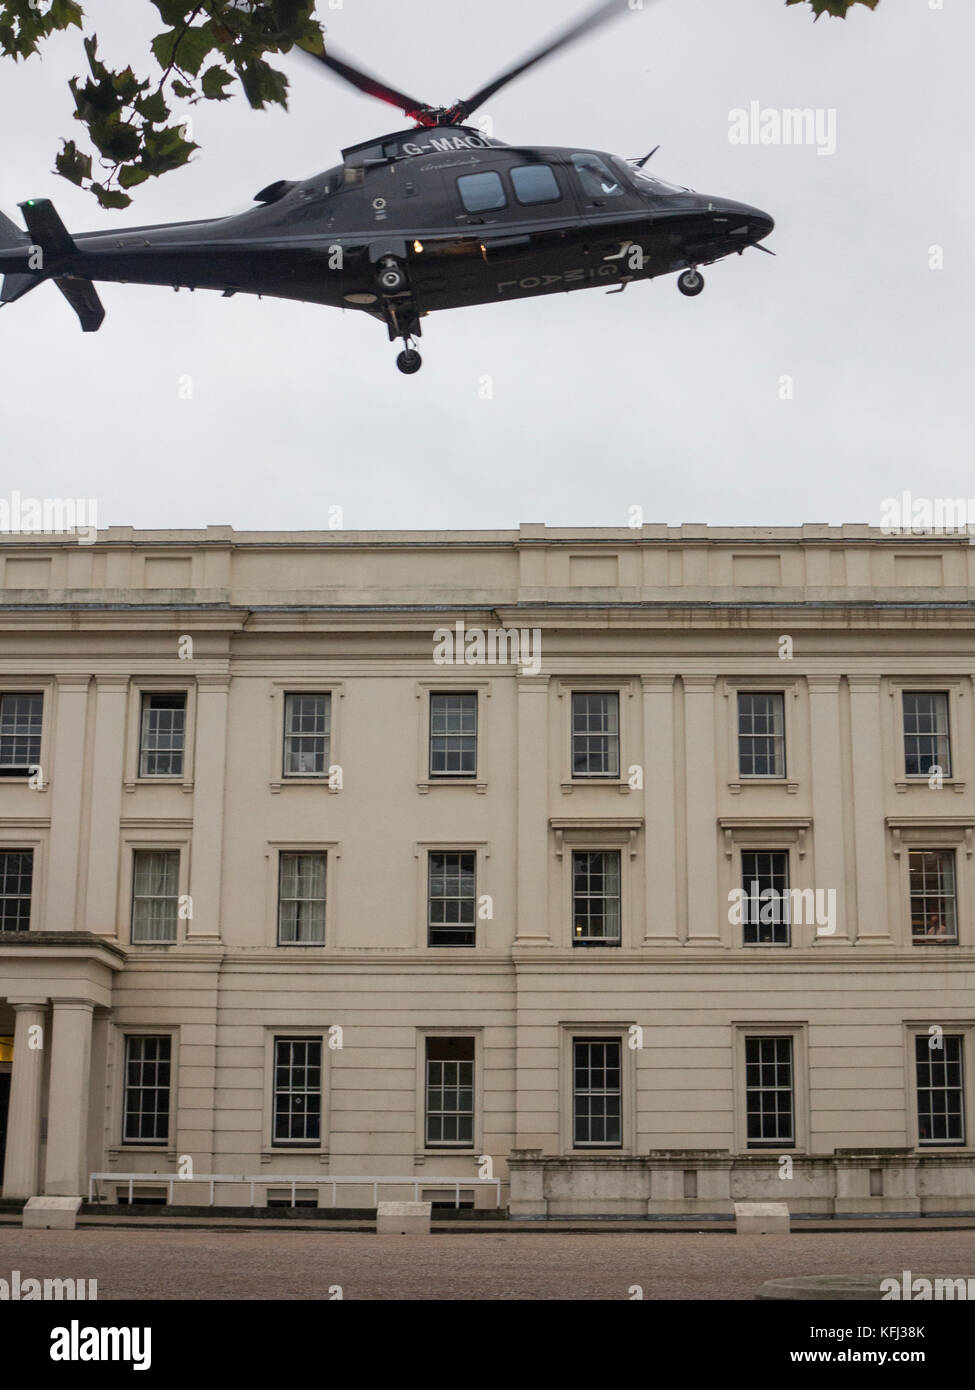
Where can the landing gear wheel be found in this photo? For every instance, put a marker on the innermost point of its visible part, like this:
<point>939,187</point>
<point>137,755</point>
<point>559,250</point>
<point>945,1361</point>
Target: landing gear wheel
<point>691,283</point>
<point>409,362</point>
<point>391,277</point>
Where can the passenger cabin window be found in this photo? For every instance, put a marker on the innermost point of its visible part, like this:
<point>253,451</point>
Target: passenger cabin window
<point>596,177</point>
<point>535,183</point>
<point>482,192</point>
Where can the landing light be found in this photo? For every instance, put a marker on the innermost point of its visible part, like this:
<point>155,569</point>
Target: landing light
<point>418,246</point>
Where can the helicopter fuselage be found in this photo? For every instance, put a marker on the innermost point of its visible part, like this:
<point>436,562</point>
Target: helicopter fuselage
<point>465,219</point>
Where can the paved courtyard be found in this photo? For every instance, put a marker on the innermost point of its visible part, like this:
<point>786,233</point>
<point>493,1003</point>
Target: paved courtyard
<point>194,1264</point>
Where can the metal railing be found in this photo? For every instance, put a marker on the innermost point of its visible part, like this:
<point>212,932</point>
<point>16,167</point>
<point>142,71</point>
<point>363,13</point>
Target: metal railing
<point>278,1180</point>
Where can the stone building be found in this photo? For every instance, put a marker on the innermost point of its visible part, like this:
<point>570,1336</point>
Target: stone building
<point>607,871</point>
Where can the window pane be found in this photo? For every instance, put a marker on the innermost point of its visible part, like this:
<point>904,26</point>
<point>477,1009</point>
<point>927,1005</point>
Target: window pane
<point>597,178</point>
<point>301,899</point>
<point>155,895</point>
<point>595,734</point>
<point>765,881</point>
<point>926,743</point>
<point>453,735</point>
<point>761,734</point>
<point>934,916</point>
<point>163,735</point>
<point>940,1089</point>
<point>596,898</point>
<point>452,898</point>
<point>297,1115</point>
<point>21,715</point>
<point>307,730</point>
<point>482,192</point>
<point>535,183</point>
<point>145,1106</point>
<point>16,882</point>
<point>597,1116</point>
<point>449,1092</point>
<point>769,1093</point>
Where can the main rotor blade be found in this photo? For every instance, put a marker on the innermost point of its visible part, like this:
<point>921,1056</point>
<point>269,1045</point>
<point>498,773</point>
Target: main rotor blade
<point>372,86</point>
<point>601,14</point>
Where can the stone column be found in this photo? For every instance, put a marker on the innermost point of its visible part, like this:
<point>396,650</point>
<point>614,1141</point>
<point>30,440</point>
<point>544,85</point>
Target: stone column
<point>870,772</point>
<point>69,754</point>
<point>209,794</point>
<point>20,1171</point>
<point>101,907</point>
<point>829,830</point>
<point>660,799</point>
<point>704,912</point>
<point>532,927</point>
<point>67,1119</point>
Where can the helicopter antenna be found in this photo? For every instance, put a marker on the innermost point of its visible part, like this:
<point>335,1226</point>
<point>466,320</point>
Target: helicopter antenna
<point>426,115</point>
<point>646,158</point>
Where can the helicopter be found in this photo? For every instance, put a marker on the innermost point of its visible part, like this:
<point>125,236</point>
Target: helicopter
<point>438,216</point>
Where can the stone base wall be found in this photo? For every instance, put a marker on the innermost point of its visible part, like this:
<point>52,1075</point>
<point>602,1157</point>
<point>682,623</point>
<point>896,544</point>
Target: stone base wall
<point>707,1183</point>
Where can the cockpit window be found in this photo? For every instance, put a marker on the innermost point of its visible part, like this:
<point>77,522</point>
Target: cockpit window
<point>597,178</point>
<point>482,192</point>
<point>535,183</point>
<point>649,183</point>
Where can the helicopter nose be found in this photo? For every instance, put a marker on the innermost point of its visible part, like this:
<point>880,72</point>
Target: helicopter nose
<point>741,222</point>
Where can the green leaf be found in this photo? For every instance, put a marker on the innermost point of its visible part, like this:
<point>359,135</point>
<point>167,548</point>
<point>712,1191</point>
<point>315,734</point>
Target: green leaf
<point>110,197</point>
<point>190,49</point>
<point>72,164</point>
<point>131,174</point>
<point>153,108</point>
<point>215,79</point>
<point>181,90</point>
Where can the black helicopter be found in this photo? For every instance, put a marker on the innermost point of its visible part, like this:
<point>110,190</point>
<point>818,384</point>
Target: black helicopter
<point>434,217</point>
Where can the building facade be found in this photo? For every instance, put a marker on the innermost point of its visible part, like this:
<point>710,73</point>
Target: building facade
<point>612,872</point>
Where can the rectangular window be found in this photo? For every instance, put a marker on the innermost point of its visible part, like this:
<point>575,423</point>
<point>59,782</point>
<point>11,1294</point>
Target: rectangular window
<point>765,881</point>
<point>21,715</point>
<point>155,895</point>
<point>934,907</point>
<point>16,880</point>
<point>162,736</point>
<point>535,183</point>
<point>761,734</point>
<point>452,898</point>
<point>307,732</point>
<point>597,1093</point>
<point>926,742</point>
<point>450,1093</point>
<point>769,1093</point>
<point>298,1092</point>
<point>301,899</point>
<point>145,1104</point>
<point>453,735</point>
<point>595,734</point>
<point>596,898</point>
<point>940,1088</point>
<point>482,192</point>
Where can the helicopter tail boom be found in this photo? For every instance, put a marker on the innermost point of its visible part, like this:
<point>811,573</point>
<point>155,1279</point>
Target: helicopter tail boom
<point>47,240</point>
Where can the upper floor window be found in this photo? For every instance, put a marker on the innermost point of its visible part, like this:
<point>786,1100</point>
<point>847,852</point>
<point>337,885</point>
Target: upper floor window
<point>301,899</point>
<point>769,1092</point>
<point>596,898</point>
<point>535,183</point>
<point>21,715</point>
<point>482,192</point>
<point>450,1093</point>
<point>765,881</point>
<point>761,733</point>
<point>595,734</point>
<point>307,730</point>
<point>940,1088</point>
<point>596,177</point>
<point>453,735</point>
<point>162,739</point>
<point>597,1093</point>
<point>155,896</point>
<point>146,1092</point>
<point>934,906</point>
<point>452,898</point>
<point>297,1100</point>
<point>16,878</point>
<point>926,741</point>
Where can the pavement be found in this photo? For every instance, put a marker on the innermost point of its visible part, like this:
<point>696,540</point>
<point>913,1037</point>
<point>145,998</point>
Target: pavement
<point>296,1264</point>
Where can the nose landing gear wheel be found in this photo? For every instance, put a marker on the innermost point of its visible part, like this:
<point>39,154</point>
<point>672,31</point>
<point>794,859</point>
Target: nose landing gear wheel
<point>391,276</point>
<point>691,283</point>
<point>409,362</point>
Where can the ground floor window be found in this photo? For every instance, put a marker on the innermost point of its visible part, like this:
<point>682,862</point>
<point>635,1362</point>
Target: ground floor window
<point>146,1099</point>
<point>450,1093</point>
<point>939,1059</point>
<point>298,1092</point>
<point>597,1093</point>
<point>770,1092</point>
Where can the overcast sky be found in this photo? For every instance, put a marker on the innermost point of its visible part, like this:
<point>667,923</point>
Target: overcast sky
<point>599,402</point>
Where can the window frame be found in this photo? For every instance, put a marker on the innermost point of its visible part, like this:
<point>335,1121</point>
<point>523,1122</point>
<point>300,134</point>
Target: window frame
<point>31,896</point>
<point>145,699</point>
<point>535,202</point>
<point>269,1147</point>
<point>139,686</point>
<point>423,690</point>
<point>630,735</point>
<point>14,772</point>
<point>590,943</point>
<point>589,734</point>
<point>445,1146</point>
<point>422,850</point>
<point>798,1032</point>
<point>145,850</point>
<point>297,1145</point>
<point>795,731</point>
<point>117,1053</point>
<point>951,853</point>
<point>433,697</point>
<point>303,853</point>
<point>273,850</point>
<point>786,922</point>
<point>933,833</point>
<point>594,833</point>
<point>47,688</point>
<point>324,775</point>
<point>159,836</point>
<point>481,174</point>
<point>460,898</point>
<point>965,1029</point>
<point>958,734</point>
<point>128,1036</point>
<point>913,777</point>
<point>599,1030</point>
<point>278,690</point>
